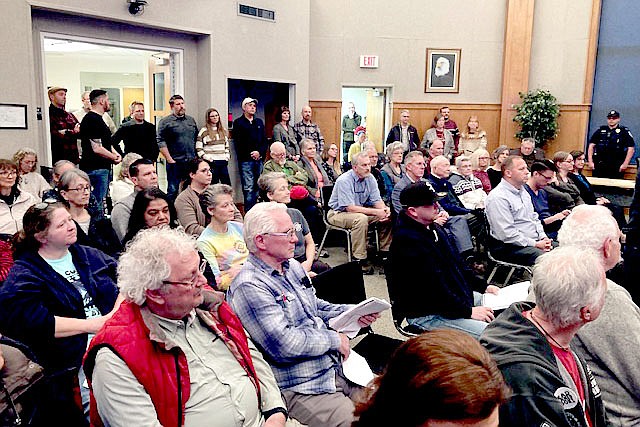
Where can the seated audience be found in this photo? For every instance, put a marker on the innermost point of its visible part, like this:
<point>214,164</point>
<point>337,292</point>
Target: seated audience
<point>190,214</point>
<point>279,163</point>
<point>29,179</point>
<point>376,172</point>
<point>515,228</point>
<point>355,203</point>
<point>542,173</point>
<point>421,249</point>
<point>473,138</point>
<point>122,186</point>
<point>57,295</point>
<point>92,228</point>
<point>212,145</point>
<point>331,162</point>
<point>463,385</point>
<point>13,201</point>
<point>393,171</point>
<point>405,133</point>
<point>221,243</point>
<point>59,167</point>
<point>143,174</point>
<point>312,165</point>
<point>586,192</point>
<point>174,353</point>
<point>466,185</point>
<point>283,132</point>
<point>494,172</point>
<point>274,187</point>
<point>277,305</point>
<point>438,131</point>
<point>480,163</point>
<point>608,344</point>
<point>528,151</point>
<point>151,208</point>
<point>563,193</point>
<point>530,342</point>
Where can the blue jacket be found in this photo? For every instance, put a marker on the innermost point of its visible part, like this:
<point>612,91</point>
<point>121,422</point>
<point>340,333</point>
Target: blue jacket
<point>451,203</point>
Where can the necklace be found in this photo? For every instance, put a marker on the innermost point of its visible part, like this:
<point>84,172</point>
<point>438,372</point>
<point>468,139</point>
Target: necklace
<point>547,334</point>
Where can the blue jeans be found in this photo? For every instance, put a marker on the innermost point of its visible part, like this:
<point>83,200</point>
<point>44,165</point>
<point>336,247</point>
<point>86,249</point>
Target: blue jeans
<point>434,321</point>
<point>176,172</point>
<point>249,173</point>
<point>99,179</point>
<point>220,172</point>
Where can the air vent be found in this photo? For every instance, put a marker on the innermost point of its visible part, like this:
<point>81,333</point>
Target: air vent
<point>256,12</point>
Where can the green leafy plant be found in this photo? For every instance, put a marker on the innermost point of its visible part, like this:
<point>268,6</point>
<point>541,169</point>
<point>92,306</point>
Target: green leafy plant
<point>537,116</point>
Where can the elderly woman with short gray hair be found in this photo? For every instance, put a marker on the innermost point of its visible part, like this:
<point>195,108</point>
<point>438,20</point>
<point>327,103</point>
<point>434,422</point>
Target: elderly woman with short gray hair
<point>221,243</point>
<point>393,171</point>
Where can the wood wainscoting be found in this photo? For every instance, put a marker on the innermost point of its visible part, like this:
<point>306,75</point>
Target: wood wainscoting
<point>572,123</point>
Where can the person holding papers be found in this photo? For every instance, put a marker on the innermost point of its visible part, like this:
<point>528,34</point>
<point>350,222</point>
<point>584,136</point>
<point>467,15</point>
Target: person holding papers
<point>434,288</point>
<point>277,305</point>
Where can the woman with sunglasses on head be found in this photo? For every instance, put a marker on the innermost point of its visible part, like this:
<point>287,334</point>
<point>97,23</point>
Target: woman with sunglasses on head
<point>29,179</point>
<point>58,294</point>
<point>93,229</point>
<point>222,243</point>
<point>151,208</point>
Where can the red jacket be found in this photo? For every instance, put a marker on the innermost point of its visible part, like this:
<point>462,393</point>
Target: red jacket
<point>163,373</point>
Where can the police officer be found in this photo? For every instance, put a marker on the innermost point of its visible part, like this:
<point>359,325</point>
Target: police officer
<point>611,148</point>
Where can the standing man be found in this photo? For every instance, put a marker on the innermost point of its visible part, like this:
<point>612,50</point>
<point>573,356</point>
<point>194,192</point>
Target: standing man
<point>307,129</point>
<point>139,135</point>
<point>64,127</point>
<point>97,152</point>
<point>250,143</point>
<point>278,307</point>
<point>349,122</point>
<point>451,126</point>
<point>86,107</point>
<point>177,142</point>
<point>404,133</point>
<point>516,234</point>
<point>611,148</point>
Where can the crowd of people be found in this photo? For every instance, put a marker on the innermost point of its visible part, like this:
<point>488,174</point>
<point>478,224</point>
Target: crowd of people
<point>170,307</point>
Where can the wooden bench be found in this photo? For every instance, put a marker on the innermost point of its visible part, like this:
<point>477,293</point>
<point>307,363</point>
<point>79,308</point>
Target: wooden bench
<point>625,184</point>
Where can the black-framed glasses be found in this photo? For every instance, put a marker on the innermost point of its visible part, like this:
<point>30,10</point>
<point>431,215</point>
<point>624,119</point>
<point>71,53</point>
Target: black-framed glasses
<point>194,280</point>
<point>289,233</point>
<point>45,203</point>
<point>81,188</point>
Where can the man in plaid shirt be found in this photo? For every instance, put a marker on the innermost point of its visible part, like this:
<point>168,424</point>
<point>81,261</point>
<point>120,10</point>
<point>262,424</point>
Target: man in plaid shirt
<point>277,305</point>
<point>307,129</point>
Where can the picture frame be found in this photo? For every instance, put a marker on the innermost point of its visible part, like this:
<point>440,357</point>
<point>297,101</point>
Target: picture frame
<point>442,71</point>
<point>13,116</point>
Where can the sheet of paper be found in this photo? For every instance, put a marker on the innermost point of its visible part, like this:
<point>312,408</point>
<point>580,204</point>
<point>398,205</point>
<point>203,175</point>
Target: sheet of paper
<point>347,322</point>
<point>357,370</point>
<point>506,296</point>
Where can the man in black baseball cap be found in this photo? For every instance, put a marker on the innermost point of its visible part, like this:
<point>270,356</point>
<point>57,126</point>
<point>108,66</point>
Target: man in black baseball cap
<point>432,286</point>
<point>611,148</point>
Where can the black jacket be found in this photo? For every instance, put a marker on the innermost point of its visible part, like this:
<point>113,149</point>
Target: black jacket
<point>395,134</point>
<point>529,367</point>
<point>247,137</point>
<point>429,277</point>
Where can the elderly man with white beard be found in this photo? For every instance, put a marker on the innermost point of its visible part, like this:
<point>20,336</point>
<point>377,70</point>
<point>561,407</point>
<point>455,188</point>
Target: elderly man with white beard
<point>279,163</point>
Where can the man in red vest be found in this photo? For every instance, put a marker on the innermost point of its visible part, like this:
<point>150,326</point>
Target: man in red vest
<point>175,353</point>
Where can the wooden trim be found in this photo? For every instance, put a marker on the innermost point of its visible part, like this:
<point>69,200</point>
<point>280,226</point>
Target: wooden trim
<point>592,51</point>
<point>437,105</point>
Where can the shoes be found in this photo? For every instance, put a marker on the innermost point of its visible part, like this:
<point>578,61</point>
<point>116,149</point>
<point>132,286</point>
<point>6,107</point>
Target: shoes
<point>324,254</point>
<point>367,268</point>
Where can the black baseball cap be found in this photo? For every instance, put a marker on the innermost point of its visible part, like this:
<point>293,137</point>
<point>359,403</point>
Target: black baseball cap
<point>613,114</point>
<point>419,194</point>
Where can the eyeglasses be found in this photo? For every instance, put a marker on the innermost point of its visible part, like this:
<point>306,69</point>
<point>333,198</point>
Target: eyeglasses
<point>289,233</point>
<point>194,280</point>
<point>81,188</point>
<point>45,203</point>
<point>547,177</point>
<point>7,172</point>
<point>483,158</point>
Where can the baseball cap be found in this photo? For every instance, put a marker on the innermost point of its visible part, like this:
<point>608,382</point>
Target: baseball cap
<point>54,89</point>
<point>613,114</point>
<point>419,194</point>
<point>248,100</point>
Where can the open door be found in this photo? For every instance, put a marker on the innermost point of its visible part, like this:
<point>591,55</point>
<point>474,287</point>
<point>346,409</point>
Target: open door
<point>159,87</point>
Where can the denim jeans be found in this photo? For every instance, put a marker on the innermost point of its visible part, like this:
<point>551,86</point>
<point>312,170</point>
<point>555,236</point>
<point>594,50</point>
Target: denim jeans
<point>220,172</point>
<point>99,179</point>
<point>176,172</point>
<point>434,321</point>
<point>249,173</point>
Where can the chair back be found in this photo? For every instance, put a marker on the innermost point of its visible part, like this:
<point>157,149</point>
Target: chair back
<point>343,284</point>
<point>325,195</point>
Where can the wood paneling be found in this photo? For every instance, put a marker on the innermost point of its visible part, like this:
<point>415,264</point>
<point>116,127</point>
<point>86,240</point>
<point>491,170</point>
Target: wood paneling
<point>592,52</point>
<point>327,115</point>
<point>516,60</point>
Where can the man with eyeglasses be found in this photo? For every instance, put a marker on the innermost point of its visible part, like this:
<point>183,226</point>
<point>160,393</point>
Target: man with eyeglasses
<point>175,353</point>
<point>528,152</point>
<point>279,163</point>
<point>277,305</point>
<point>542,173</point>
<point>516,233</point>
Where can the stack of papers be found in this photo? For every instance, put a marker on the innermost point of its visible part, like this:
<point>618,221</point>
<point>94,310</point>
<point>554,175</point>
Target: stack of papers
<point>506,296</point>
<point>347,322</point>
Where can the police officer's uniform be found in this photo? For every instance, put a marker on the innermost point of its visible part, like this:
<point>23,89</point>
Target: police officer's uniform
<point>610,149</point>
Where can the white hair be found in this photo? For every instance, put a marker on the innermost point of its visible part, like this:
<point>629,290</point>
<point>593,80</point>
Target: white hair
<point>144,264</point>
<point>437,160</point>
<point>306,142</point>
<point>566,280</point>
<point>588,226</point>
<point>277,144</point>
<point>259,220</point>
<point>461,159</point>
<point>396,145</point>
<point>355,159</point>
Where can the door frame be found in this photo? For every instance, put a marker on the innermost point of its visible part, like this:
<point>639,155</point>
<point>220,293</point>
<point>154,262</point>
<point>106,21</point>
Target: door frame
<point>388,113</point>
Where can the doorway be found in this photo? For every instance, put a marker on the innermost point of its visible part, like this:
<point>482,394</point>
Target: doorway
<point>372,104</point>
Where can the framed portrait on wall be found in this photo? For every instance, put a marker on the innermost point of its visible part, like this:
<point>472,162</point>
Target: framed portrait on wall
<point>442,70</point>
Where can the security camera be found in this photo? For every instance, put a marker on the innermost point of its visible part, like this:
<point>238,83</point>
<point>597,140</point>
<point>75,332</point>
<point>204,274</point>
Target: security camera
<point>136,7</point>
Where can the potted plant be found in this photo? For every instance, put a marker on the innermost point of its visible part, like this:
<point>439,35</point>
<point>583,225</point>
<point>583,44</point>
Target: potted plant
<point>537,116</point>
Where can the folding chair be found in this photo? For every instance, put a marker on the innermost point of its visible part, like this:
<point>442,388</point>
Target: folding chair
<point>344,284</point>
<point>499,263</point>
<point>325,195</point>
<point>396,313</point>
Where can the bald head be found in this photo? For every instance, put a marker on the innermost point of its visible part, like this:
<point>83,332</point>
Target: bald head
<point>278,152</point>
<point>436,148</point>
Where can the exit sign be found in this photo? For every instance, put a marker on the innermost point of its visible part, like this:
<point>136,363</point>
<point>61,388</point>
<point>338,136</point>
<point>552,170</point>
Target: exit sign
<point>369,61</point>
